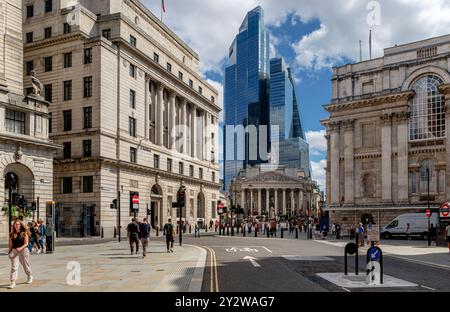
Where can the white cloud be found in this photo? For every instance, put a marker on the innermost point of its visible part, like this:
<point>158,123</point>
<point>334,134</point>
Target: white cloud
<point>210,26</point>
<point>318,173</point>
<point>317,142</point>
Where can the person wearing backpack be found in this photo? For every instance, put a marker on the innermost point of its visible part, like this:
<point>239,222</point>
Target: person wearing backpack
<point>169,232</point>
<point>133,235</point>
<point>144,228</point>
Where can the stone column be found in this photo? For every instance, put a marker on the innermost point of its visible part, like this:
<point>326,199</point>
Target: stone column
<point>172,120</point>
<point>259,202</point>
<point>292,203</point>
<point>349,197</point>
<point>300,200</point>
<point>386,158</point>
<point>275,202</point>
<point>243,199</point>
<point>334,157</point>
<point>267,201</point>
<point>284,202</point>
<point>160,119</point>
<point>445,89</point>
<point>402,158</point>
<point>147,112</point>
<point>194,132</point>
<point>184,123</point>
<point>251,202</point>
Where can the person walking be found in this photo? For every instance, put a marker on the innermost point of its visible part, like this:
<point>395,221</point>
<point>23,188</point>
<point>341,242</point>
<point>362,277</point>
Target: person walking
<point>169,232</point>
<point>361,235</point>
<point>196,230</point>
<point>133,235</point>
<point>144,229</point>
<point>34,237</point>
<point>447,236</point>
<point>43,236</point>
<point>337,229</point>
<point>18,252</point>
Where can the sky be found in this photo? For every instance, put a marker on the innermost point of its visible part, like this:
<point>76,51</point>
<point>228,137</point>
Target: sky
<point>312,36</point>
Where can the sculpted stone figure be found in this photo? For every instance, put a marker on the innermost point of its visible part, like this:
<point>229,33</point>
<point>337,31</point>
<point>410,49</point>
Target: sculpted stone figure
<point>37,84</point>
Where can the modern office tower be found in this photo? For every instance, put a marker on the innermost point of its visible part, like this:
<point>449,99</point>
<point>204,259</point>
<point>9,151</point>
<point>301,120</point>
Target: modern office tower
<point>120,82</point>
<point>246,94</point>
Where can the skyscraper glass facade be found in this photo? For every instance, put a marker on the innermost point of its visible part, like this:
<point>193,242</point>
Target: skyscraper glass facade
<point>246,89</point>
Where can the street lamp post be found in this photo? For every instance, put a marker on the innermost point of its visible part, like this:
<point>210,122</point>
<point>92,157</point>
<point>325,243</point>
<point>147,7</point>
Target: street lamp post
<point>10,204</point>
<point>428,204</point>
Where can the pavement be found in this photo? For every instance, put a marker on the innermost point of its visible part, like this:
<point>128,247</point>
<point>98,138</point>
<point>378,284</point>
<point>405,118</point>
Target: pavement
<point>109,267</point>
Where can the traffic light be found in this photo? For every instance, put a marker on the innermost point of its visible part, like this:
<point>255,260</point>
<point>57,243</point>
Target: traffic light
<point>181,194</point>
<point>33,206</point>
<point>114,204</point>
<point>148,212</point>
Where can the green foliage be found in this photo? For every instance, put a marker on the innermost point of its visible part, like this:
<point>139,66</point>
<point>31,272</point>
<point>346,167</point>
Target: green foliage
<point>16,212</point>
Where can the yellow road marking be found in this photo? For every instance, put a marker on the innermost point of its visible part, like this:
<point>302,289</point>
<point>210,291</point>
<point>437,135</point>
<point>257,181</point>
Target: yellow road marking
<point>214,276</point>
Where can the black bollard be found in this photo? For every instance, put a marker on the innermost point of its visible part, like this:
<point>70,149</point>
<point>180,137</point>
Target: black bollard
<point>256,232</point>
<point>243,231</point>
<point>157,231</point>
<point>190,229</point>
<point>228,231</point>
<point>282,232</point>
<point>115,232</point>
<point>268,232</point>
<point>232,230</point>
<point>296,233</point>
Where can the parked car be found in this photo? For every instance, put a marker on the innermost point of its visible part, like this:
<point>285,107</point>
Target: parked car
<point>418,225</point>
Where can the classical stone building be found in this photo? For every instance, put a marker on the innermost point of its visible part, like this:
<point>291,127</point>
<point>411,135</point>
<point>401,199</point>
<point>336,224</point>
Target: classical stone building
<point>123,87</point>
<point>282,192</point>
<point>388,128</point>
<point>26,154</point>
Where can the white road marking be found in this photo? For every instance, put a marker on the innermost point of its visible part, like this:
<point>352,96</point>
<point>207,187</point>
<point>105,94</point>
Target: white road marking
<point>267,249</point>
<point>253,261</point>
<point>431,264</point>
<point>346,289</point>
<point>429,288</point>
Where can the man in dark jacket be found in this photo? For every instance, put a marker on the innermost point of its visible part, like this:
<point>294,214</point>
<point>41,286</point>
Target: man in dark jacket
<point>133,235</point>
<point>169,232</point>
<point>144,228</point>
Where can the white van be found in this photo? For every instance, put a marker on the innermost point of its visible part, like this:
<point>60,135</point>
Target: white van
<point>418,224</point>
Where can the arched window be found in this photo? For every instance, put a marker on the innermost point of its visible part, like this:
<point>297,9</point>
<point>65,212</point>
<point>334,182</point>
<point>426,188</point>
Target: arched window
<point>427,116</point>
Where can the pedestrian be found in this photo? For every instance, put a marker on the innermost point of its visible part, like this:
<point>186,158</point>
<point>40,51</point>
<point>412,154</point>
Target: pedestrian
<point>196,230</point>
<point>43,236</point>
<point>216,225</point>
<point>360,232</point>
<point>333,229</point>
<point>408,231</point>
<point>18,251</point>
<point>144,230</point>
<point>34,237</point>
<point>337,229</point>
<point>211,222</point>
<point>169,232</point>
<point>133,235</point>
<point>447,235</point>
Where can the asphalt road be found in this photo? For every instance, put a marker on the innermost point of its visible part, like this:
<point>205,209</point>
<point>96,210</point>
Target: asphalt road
<point>237,264</point>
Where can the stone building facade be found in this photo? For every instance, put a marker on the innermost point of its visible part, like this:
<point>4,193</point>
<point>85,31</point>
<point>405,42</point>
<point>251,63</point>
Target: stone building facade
<point>26,154</point>
<point>281,192</point>
<point>388,134</point>
<point>124,88</point>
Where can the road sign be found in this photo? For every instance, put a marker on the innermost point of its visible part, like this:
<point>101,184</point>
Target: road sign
<point>374,254</point>
<point>136,199</point>
<point>373,233</point>
<point>444,211</point>
<point>428,213</point>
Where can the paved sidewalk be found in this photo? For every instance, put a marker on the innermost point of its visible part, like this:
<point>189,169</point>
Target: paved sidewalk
<point>110,267</point>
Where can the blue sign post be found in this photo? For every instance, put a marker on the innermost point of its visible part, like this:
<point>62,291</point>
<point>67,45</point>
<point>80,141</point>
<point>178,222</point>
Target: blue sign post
<point>375,254</point>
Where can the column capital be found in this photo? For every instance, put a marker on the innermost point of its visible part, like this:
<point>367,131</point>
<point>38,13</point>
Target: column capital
<point>348,125</point>
<point>386,118</point>
<point>400,116</point>
<point>159,86</point>
<point>334,126</point>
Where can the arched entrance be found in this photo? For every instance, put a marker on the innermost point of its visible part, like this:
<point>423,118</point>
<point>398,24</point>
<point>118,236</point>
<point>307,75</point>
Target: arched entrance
<point>20,179</point>
<point>156,206</point>
<point>201,210</point>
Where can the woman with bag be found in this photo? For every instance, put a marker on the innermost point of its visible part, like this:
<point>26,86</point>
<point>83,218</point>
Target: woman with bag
<point>18,252</point>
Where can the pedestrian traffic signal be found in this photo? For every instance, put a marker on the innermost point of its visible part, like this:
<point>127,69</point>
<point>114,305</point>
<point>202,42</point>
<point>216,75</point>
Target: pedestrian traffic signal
<point>181,194</point>
<point>148,212</point>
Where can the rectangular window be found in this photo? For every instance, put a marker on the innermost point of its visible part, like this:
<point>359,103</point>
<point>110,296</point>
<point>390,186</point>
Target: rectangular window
<point>67,150</point>
<point>15,121</point>
<point>133,155</point>
<point>30,11</point>
<point>88,56</point>
<point>133,99</point>
<point>169,165</point>
<point>133,41</point>
<point>156,161</point>
<point>200,90</point>
<point>88,184</point>
<point>67,28</point>
<point>30,67</point>
<point>132,71</point>
<point>132,126</point>
<point>48,6</point>
<point>68,60</point>
<point>50,122</point>
<point>87,87</point>
<point>156,57</point>
<point>87,148</point>
<point>107,33</point>
<point>200,173</point>
<point>47,32</point>
<point>29,37</point>
<point>67,185</point>
<point>180,168</point>
<point>191,171</point>
<point>48,64</point>
<point>213,99</point>
<point>68,90</point>
<point>48,92</point>
<point>180,76</point>
<point>169,67</point>
<point>191,83</point>
<point>67,114</point>
<point>87,120</point>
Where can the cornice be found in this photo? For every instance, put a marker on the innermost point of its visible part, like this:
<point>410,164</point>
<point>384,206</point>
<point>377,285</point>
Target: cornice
<point>388,98</point>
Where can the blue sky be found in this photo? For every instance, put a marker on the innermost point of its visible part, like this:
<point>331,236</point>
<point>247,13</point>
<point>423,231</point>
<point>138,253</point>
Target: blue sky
<point>313,36</point>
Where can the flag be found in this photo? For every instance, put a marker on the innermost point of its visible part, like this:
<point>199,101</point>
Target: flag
<point>163,6</point>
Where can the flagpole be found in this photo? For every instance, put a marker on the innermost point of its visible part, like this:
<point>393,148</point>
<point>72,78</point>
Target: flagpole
<point>161,10</point>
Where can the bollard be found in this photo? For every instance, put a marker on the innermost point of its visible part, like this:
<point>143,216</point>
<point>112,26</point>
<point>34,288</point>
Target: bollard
<point>243,231</point>
<point>228,230</point>
<point>296,233</point>
<point>256,232</point>
<point>268,232</point>
<point>190,229</point>
<point>232,230</point>
<point>282,232</point>
<point>115,232</point>
<point>157,231</point>
<point>102,233</point>
<point>351,249</point>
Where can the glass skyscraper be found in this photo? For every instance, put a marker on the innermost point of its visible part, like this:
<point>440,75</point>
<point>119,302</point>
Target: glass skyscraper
<point>246,92</point>
<point>284,112</point>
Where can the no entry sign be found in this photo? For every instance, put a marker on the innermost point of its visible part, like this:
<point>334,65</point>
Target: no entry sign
<point>428,213</point>
<point>444,211</point>
<point>136,199</point>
